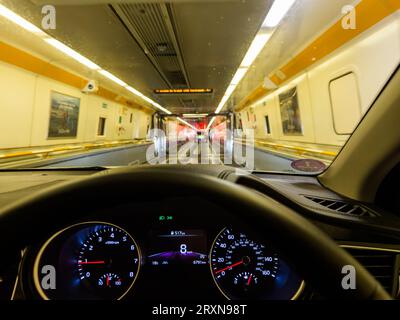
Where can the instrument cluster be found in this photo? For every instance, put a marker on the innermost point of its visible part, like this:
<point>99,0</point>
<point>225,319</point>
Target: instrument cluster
<point>99,260</point>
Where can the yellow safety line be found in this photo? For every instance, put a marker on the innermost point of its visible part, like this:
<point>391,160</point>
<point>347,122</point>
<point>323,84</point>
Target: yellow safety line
<point>65,148</point>
<point>299,150</point>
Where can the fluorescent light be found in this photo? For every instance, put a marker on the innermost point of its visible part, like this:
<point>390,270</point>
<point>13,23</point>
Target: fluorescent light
<point>73,54</point>
<point>10,15</point>
<point>257,45</point>
<point>113,78</point>
<point>134,91</point>
<point>278,10</point>
<point>221,104</point>
<point>230,90</point>
<point>240,73</point>
<point>142,96</point>
<point>148,100</point>
<point>195,115</point>
<point>211,123</point>
<point>13,17</point>
<point>186,123</point>
<point>225,98</point>
<point>160,107</point>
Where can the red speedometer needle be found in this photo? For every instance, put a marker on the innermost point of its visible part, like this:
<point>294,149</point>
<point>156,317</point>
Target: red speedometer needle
<point>91,262</point>
<point>229,267</point>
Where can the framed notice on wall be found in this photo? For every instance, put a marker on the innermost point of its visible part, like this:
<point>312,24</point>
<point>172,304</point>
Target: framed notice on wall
<point>290,113</point>
<point>64,116</point>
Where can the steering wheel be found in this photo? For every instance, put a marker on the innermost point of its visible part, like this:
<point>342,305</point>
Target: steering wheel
<point>317,258</point>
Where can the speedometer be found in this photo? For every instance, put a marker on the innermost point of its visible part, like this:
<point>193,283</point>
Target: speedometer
<point>246,269</point>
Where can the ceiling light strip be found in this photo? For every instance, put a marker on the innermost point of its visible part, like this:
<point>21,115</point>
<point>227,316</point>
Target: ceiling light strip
<point>71,53</point>
<point>13,17</point>
<point>278,11</point>
<point>275,15</point>
<point>186,123</point>
<point>113,78</point>
<point>195,115</point>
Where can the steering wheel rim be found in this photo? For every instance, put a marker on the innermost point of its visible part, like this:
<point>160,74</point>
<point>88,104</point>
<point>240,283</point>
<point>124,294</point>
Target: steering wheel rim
<point>313,253</point>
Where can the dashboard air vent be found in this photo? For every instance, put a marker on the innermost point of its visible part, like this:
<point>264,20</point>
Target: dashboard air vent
<point>342,207</point>
<point>381,264</point>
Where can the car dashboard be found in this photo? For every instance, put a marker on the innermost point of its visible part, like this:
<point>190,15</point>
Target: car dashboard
<point>174,249</point>
<point>188,248</point>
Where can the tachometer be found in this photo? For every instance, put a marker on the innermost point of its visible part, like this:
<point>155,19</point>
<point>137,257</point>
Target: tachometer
<point>246,269</point>
<point>108,261</point>
<point>89,261</point>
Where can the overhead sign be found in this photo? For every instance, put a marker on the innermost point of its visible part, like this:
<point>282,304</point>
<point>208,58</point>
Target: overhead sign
<point>183,91</point>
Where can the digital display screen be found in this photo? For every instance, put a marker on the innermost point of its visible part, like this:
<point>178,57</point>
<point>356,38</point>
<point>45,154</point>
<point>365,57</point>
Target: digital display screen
<point>177,247</point>
<point>183,91</point>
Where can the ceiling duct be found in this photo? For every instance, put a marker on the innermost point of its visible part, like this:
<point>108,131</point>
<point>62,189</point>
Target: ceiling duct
<point>152,26</point>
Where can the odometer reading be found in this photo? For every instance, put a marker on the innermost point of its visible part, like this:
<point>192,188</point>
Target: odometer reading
<point>246,269</point>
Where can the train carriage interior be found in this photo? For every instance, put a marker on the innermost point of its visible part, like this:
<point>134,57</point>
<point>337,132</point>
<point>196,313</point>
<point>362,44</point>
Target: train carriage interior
<point>219,150</point>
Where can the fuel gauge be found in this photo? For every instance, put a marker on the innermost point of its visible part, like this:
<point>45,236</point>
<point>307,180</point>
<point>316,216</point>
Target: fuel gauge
<point>245,279</point>
<point>109,280</point>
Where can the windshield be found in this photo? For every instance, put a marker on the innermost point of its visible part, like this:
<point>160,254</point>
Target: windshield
<point>269,85</point>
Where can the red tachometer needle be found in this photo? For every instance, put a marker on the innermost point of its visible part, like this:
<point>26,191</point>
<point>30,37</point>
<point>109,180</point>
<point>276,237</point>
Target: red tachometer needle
<point>92,262</point>
<point>108,280</point>
<point>229,267</point>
